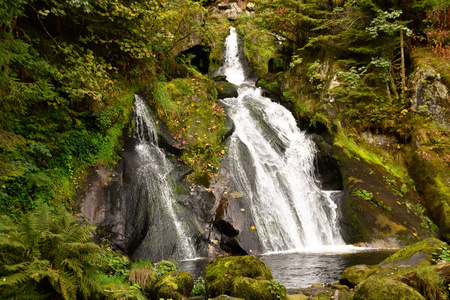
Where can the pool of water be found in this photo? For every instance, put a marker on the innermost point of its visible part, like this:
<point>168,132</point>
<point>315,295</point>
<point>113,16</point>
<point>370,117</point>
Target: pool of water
<point>301,269</point>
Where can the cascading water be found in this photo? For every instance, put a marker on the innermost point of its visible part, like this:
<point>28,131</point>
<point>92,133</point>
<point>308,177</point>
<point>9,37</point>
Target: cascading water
<point>153,179</point>
<point>272,166</point>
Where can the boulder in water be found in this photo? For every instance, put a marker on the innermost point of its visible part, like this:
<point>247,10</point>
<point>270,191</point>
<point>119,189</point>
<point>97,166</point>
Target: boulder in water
<point>379,287</point>
<point>225,89</point>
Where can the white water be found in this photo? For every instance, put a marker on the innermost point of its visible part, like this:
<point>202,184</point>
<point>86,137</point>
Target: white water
<point>154,172</point>
<point>272,165</point>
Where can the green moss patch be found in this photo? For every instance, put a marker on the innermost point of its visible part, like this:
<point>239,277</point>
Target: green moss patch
<point>419,253</point>
<point>239,276</point>
<point>378,287</point>
<point>197,122</point>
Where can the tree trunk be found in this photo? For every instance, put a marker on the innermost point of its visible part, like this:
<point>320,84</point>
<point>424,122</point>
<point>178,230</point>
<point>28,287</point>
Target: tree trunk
<point>402,49</point>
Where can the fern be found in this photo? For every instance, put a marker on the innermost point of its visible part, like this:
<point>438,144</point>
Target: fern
<point>45,253</point>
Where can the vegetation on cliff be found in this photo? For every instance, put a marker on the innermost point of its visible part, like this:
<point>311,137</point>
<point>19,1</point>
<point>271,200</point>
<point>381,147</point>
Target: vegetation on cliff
<point>371,77</point>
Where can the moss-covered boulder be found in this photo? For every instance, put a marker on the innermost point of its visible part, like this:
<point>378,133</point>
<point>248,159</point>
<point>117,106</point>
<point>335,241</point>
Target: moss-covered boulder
<point>417,254</point>
<point>238,276</point>
<point>225,89</point>
<point>253,289</point>
<point>174,285</point>
<point>379,287</point>
<point>354,275</point>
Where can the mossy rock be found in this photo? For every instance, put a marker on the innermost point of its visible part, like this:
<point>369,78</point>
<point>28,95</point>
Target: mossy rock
<point>378,287</point>
<point>417,254</point>
<point>174,285</point>
<point>221,273</point>
<point>225,89</point>
<point>354,275</point>
<point>253,289</point>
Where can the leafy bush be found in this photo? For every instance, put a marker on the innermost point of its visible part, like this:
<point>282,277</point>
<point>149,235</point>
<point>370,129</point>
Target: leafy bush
<point>199,287</point>
<point>165,266</point>
<point>277,289</point>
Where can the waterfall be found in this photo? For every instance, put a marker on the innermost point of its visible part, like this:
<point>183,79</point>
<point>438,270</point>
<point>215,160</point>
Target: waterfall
<point>272,166</point>
<point>153,178</point>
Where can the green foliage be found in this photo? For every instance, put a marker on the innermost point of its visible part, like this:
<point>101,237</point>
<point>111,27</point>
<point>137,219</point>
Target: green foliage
<point>443,253</point>
<point>114,264</point>
<point>199,287</point>
<point>381,23</point>
<point>165,266</point>
<point>368,196</point>
<point>277,289</point>
<point>47,254</point>
<point>363,194</point>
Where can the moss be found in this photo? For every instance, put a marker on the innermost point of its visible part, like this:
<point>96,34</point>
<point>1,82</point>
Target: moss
<point>377,287</point>
<point>427,281</point>
<point>221,272</point>
<point>419,253</point>
<point>354,275</point>
<point>258,48</point>
<point>252,289</point>
<point>189,108</point>
<point>174,285</point>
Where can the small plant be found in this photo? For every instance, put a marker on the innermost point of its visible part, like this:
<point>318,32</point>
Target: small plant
<point>199,287</point>
<point>443,253</point>
<point>403,189</point>
<point>165,266</point>
<point>365,195</point>
<point>277,289</point>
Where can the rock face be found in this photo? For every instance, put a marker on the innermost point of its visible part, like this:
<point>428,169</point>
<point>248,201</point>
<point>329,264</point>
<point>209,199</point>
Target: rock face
<point>245,277</point>
<point>126,212</point>
<point>232,9</point>
<point>431,96</point>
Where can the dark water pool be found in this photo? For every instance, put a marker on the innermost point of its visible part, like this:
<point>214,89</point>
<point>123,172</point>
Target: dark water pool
<point>301,269</point>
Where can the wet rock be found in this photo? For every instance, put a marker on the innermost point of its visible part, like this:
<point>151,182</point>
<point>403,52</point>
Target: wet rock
<point>174,285</point>
<point>327,166</point>
<point>378,287</point>
<point>238,276</point>
<point>317,285</point>
<point>354,275</point>
<point>225,90</point>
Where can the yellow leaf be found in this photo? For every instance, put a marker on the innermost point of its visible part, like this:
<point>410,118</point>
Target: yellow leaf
<point>252,228</point>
